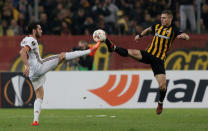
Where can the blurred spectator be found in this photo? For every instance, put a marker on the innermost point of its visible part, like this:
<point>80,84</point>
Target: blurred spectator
<point>203,28</point>
<point>68,18</point>
<point>137,14</point>
<point>11,12</point>
<point>41,9</point>
<point>100,9</point>
<point>84,4</point>
<point>7,14</point>
<point>44,23</point>
<point>205,16</point>
<point>22,22</point>
<point>157,19</point>
<point>126,5</point>
<point>57,24</point>
<point>122,23</point>
<point>139,29</point>
<point>65,28</point>
<point>89,25</point>
<point>78,17</point>
<point>112,18</point>
<point>174,7</point>
<point>78,20</point>
<point>148,21</point>
<point>4,29</point>
<point>101,23</point>
<point>25,8</point>
<point>132,27</point>
<point>15,28</point>
<point>187,13</point>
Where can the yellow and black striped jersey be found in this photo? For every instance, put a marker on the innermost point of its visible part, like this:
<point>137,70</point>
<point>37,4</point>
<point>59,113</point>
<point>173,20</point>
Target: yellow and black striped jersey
<point>163,38</point>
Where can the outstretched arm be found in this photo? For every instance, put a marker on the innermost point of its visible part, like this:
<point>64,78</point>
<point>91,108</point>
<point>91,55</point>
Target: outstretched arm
<point>143,33</point>
<point>183,36</point>
<point>23,54</point>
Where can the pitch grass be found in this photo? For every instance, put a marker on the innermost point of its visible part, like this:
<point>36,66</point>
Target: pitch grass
<point>106,120</point>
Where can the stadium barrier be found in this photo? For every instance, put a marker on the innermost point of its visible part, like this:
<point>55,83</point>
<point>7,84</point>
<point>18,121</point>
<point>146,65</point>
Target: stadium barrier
<point>106,89</point>
<point>124,89</point>
<point>183,55</point>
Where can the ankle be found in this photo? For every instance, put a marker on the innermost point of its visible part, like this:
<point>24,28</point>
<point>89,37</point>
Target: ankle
<point>159,102</point>
<point>121,51</point>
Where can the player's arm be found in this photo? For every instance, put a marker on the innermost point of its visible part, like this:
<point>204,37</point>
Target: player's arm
<point>143,33</point>
<point>183,36</point>
<point>23,54</point>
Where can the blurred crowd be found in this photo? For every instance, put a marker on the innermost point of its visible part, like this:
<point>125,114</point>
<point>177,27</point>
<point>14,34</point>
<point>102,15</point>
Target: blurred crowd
<point>79,17</point>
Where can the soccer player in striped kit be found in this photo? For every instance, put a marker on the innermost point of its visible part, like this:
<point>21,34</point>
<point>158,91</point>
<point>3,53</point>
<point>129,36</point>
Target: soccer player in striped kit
<point>164,34</point>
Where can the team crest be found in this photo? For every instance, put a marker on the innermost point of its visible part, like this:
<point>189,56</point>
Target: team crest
<point>33,43</point>
<point>167,32</point>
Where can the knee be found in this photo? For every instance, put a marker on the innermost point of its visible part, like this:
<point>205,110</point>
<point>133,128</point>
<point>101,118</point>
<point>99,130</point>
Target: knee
<point>132,52</point>
<point>62,56</point>
<point>39,93</point>
<point>39,96</point>
<point>162,85</point>
<point>135,53</point>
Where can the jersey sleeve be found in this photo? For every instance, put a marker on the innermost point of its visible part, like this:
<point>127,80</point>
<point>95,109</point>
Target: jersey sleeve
<point>153,28</point>
<point>177,31</point>
<point>29,43</point>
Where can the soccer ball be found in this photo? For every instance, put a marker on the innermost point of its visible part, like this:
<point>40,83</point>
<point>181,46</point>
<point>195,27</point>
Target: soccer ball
<point>99,35</point>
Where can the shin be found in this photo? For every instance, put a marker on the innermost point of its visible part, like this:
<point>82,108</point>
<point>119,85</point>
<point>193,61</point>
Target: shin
<point>37,104</point>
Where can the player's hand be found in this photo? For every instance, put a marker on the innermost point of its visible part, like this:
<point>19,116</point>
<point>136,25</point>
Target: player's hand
<point>181,36</point>
<point>138,37</point>
<point>27,69</point>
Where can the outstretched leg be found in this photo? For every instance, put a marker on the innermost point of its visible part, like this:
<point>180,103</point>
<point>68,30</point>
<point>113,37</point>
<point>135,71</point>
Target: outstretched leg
<point>51,62</point>
<point>138,55</point>
<point>161,79</point>
<point>76,54</point>
<point>133,53</point>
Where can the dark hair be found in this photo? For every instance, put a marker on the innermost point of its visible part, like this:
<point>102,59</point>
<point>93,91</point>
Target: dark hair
<point>168,12</point>
<point>32,26</point>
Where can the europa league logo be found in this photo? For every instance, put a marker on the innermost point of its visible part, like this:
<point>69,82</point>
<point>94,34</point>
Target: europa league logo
<point>18,82</point>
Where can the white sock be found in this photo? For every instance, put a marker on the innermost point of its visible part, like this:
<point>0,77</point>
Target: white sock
<point>76,54</point>
<point>160,102</point>
<point>37,106</point>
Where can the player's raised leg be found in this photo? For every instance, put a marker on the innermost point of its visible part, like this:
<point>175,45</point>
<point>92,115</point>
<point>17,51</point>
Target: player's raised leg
<point>133,53</point>
<point>51,62</point>
<point>75,54</point>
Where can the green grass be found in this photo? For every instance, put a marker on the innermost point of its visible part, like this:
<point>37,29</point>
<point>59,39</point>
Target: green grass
<point>124,120</point>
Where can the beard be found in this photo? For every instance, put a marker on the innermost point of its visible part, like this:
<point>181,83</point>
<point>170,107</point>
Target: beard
<point>37,35</point>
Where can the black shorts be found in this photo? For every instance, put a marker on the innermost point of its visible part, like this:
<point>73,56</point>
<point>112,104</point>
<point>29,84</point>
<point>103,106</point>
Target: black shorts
<point>156,63</point>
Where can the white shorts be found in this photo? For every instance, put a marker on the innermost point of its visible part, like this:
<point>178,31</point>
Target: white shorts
<point>39,82</point>
<point>38,78</point>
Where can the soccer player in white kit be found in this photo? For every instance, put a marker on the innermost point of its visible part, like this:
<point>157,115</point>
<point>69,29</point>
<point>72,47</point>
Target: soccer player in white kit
<point>36,67</point>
